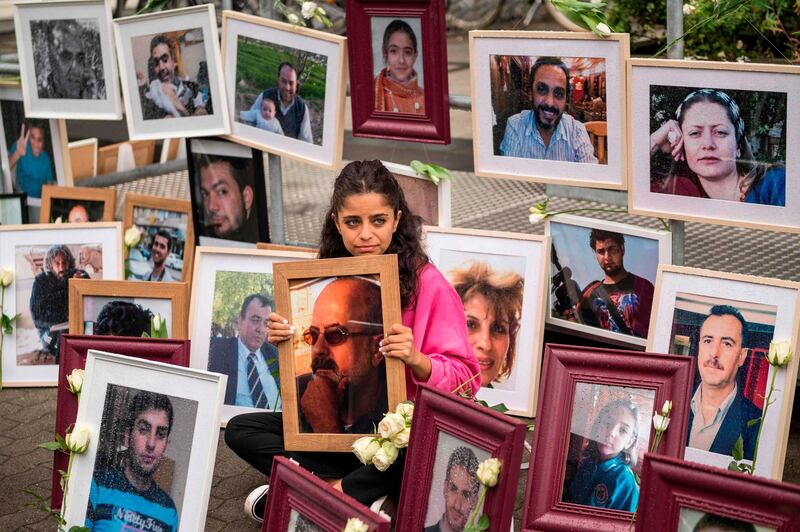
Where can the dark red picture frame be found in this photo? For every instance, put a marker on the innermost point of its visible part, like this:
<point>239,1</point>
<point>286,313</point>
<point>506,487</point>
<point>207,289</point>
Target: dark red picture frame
<point>669,484</point>
<point>502,436</point>
<point>669,376</point>
<point>293,488</point>
<point>434,125</point>
<point>73,351</point>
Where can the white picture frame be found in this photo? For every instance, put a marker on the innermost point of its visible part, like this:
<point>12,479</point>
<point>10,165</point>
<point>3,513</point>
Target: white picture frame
<point>771,304</point>
<point>573,48</point>
<point>653,82</point>
<point>569,236</point>
<point>511,256</point>
<point>101,98</point>
<point>283,36</point>
<point>191,27</point>
<point>22,250</point>
<point>208,262</point>
<point>195,396</point>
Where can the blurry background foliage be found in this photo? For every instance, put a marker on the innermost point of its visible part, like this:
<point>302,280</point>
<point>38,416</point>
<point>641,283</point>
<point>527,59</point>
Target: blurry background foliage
<point>725,29</point>
<point>230,289</point>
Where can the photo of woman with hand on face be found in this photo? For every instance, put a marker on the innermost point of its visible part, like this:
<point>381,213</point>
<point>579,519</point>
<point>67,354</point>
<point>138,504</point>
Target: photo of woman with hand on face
<point>709,145</point>
<point>397,88</point>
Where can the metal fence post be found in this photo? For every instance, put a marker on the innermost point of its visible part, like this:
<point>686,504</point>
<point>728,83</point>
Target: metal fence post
<point>674,31</point>
<point>276,230</point>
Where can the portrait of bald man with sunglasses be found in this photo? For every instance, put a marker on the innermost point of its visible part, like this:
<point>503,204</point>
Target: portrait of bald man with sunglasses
<point>345,392</point>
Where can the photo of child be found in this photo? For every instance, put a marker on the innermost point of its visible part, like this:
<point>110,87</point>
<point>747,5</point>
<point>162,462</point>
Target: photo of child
<point>263,117</point>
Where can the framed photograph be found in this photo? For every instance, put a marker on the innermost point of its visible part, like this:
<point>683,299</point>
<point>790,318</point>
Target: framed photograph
<point>557,97</point>
<point>299,500</point>
<point>687,497</point>
<point>602,277</point>
<point>152,422</point>
<point>32,152</point>
<point>287,86</point>
<point>398,70</point>
<point>716,150</point>
<point>594,422</point>
<point>500,278</point>
<point>428,200</point>
<point>43,258</point>
<point>13,208</point>
<point>284,247</point>
<point>334,351</point>
<point>125,308</point>
<point>170,69</point>
<point>77,204</point>
<point>232,296</point>
<point>726,321</point>
<point>451,437</point>
<point>166,249</point>
<point>67,62</point>
<point>73,355</point>
<point>229,197</point>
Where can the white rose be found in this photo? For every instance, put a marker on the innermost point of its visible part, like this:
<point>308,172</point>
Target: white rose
<point>365,448</point>
<point>354,524</point>
<point>385,456</point>
<point>75,381</point>
<point>660,423</point>
<point>132,236</point>
<point>78,440</point>
<point>6,277</point>
<point>391,424</point>
<point>667,408</point>
<point>405,409</point>
<point>308,9</point>
<point>58,220</point>
<point>400,440</point>
<point>157,323</point>
<point>293,18</point>
<point>536,218</point>
<point>780,352</point>
<point>603,29</point>
<point>688,9</point>
<point>488,472</point>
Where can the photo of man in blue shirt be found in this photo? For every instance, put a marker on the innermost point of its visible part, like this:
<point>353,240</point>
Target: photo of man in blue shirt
<point>30,161</point>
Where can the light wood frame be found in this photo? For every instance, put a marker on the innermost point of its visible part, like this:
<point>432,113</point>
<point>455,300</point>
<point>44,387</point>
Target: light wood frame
<point>107,195</point>
<point>613,175</point>
<point>177,293</point>
<point>202,296</point>
<point>663,240</point>
<point>134,200</point>
<point>108,156</point>
<point>83,156</point>
<point>785,295</point>
<point>534,250</point>
<point>109,234</point>
<point>383,266</point>
<point>726,76</point>
<point>329,153</point>
<point>444,194</point>
<point>283,247</point>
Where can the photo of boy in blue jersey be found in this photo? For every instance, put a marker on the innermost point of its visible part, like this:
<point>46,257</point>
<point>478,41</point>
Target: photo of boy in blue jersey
<point>126,496</point>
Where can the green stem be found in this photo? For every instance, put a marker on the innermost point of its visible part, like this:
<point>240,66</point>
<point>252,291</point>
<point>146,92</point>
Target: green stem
<point>549,214</point>
<point>2,331</point>
<point>66,484</point>
<point>700,24</point>
<point>466,382</point>
<point>763,417</point>
<point>479,506</point>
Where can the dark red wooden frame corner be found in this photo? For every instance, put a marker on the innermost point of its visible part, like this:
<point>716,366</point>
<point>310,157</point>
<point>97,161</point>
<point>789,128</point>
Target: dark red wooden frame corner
<point>669,484</point>
<point>293,488</point>
<point>434,126</point>
<point>73,350</point>
<point>670,376</point>
<point>502,436</point>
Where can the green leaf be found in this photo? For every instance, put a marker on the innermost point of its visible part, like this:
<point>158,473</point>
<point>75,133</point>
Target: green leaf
<point>483,522</point>
<point>738,449</point>
<point>50,446</point>
<point>77,528</point>
<point>145,335</point>
<point>153,5</point>
<point>733,466</point>
<point>753,422</point>
<point>501,407</point>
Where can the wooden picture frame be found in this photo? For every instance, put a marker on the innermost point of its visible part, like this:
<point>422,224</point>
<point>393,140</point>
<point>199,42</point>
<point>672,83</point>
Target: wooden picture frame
<point>501,72</point>
<point>307,276</point>
<point>671,486</point>
<point>83,158</point>
<point>158,207</point>
<point>445,422</point>
<point>13,110</point>
<point>145,108</point>
<point>77,196</point>
<point>136,291</point>
<point>503,275</point>
<point>429,200</point>
<point>423,112</point>
<point>685,299</point>
<point>575,269</point>
<point>73,356</point>
<point>64,91</point>
<point>283,247</point>
<point>13,208</point>
<point>295,493</point>
<point>600,382</point>
<point>30,353</point>
<point>221,275</point>
<point>111,386</point>
<point>766,99</point>
<point>271,42</point>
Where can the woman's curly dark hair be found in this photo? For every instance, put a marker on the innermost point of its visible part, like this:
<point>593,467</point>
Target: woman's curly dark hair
<point>121,318</point>
<point>364,177</point>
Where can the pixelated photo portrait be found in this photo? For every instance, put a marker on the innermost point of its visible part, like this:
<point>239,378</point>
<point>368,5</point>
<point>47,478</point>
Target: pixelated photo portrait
<point>397,65</point>
<point>170,226</point>
<point>124,316</point>
<point>691,520</point>
<point>29,147</point>
<point>68,60</point>
<point>300,523</point>
<point>75,210</point>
